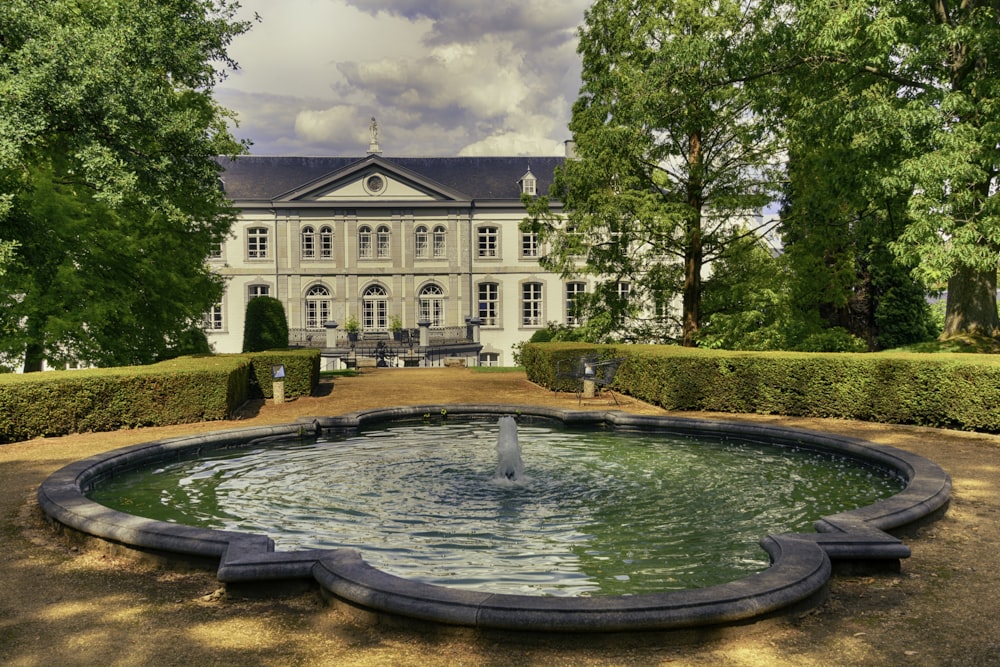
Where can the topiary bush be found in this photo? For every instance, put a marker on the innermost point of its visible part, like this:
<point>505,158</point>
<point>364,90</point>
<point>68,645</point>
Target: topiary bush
<point>265,327</point>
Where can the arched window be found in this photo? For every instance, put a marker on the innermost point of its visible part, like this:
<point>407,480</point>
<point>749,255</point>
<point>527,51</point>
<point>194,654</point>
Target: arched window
<point>382,242</point>
<point>365,242</point>
<point>326,241</point>
<point>308,242</point>
<point>440,249</point>
<point>421,247</point>
<point>317,307</point>
<point>374,306</point>
<point>431,305</point>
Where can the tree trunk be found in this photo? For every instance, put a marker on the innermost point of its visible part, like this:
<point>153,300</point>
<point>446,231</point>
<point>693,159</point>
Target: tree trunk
<point>694,253</point>
<point>972,303</point>
<point>34,357</point>
<point>692,289</point>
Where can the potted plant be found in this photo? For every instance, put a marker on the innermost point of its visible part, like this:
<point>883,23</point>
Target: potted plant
<point>396,327</point>
<point>352,327</point>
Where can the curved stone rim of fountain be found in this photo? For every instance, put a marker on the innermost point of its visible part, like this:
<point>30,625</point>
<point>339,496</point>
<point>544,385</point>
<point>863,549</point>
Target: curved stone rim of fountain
<point>798,575</point>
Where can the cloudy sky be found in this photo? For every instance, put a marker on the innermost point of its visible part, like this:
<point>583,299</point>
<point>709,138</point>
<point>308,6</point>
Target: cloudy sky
<point>442,77</point>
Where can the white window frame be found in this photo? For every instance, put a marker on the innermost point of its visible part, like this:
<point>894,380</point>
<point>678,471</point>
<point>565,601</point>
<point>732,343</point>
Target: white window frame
<point>488,298</point>
<point>440,241</point>
<point>374,308</point>
<point>488,242</point>
<point>421,248</point>
<point>326,242</point>
<point>316,310</point>
<point>430,305</point>
<point>573,290</point>
<point>383,242</point>
<point>214,318</point>
<point>258,242</point>
<point>491,359</point>
<point>532,304</point>
<point>529,245</point>
<point>256,290</point>
<point>365,249</point>
<point>308,242</point>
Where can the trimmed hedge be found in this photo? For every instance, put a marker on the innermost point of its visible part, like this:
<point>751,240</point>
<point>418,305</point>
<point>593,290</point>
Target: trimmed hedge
<point>960,391</point>
<point>178,391</point>
<point>301,372</point>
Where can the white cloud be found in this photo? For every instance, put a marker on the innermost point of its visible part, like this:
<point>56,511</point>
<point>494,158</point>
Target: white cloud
<point>443,77</point>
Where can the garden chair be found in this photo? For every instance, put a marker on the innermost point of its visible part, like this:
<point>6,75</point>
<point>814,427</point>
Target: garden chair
<point>604,375</point>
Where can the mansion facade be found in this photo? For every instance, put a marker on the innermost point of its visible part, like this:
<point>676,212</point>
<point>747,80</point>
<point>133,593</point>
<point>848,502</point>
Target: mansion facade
<point>433,245</point>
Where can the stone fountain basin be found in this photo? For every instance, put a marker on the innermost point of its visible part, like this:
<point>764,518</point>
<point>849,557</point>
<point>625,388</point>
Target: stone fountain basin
<point>801,563</point>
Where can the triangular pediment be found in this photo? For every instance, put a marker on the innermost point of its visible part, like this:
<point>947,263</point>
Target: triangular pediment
<point>373,179</point>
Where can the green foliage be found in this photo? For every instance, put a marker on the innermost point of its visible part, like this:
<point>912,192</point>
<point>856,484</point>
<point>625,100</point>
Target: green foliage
<point>952,391</point>
<point>265,327</point>
<point>747,300</point>
<point>109,190</point>
<point>175,392</point>
<point>670,151</point>
<point>893,118</point>
<point>301,372</point>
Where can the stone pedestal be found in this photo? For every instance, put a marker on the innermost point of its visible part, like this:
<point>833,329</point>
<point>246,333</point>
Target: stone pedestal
<point>278,388</point>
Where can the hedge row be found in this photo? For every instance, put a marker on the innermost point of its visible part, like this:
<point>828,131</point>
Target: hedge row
<point>189,389</point>
<point>952,391</point>
<point>301,372</point>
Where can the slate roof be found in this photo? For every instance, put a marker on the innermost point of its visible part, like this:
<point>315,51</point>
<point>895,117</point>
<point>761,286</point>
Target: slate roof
<point>262,178</point>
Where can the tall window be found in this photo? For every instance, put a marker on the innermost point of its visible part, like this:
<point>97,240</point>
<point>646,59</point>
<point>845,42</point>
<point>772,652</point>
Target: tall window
<point>489,242</point>
<point>440,248</point>
<point>257,243</point>
<point>382,242</point>
<point>317,307</point>
<point>254,291</point>
<point>489,304</point>
<point>374,306</point>
<point>420,240</point>
<point>326,241</point>
<point>365,242</point>
<point>574,290</point>
<point>431,305</point>
<point>308,242</point>
<point>213,318</point>
<point>529,244</point>
<point>531,304</point>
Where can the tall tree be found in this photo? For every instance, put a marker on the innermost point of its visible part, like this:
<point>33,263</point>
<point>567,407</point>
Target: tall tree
<point>108,180</point>
<point>928,74</point>
<point>670,155</point>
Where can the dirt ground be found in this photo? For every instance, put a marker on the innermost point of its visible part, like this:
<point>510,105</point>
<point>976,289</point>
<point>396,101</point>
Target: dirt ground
<point>63,606</point>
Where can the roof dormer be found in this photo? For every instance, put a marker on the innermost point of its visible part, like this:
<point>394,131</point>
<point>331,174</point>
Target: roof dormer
<point>529,184</point>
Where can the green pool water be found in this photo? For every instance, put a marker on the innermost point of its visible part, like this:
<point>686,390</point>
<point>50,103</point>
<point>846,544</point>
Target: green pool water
<point>598,512</point>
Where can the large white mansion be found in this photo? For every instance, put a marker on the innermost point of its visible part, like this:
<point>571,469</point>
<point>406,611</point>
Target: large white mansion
<point>433,244</point>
